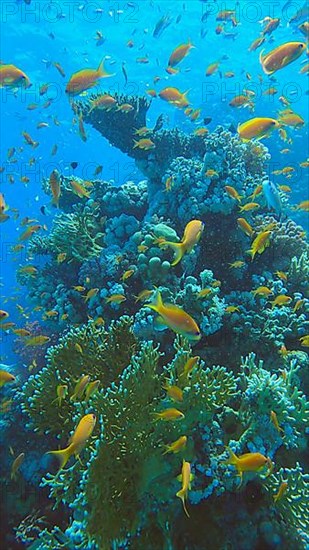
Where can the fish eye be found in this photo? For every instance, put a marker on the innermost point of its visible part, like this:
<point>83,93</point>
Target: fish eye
<point>301,46</point>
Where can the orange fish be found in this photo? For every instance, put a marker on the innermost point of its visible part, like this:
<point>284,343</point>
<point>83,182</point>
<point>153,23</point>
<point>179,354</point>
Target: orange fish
<point>86,78</point>
<point>54,183</point>
<point>59,69</point>
<point>29,232</point>
<point>175,97</point>
<point>179,54</point>
<point>29,140</point>
<point>281,56</point>
<point>12,77</point>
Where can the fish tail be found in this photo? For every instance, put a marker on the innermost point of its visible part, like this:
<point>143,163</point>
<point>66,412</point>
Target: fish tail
<point>179,250</point>
<point>181,495</point>
<point>63,455</point>
<point>157,304</point>
<point>232,459</point>
<point>102,71</point>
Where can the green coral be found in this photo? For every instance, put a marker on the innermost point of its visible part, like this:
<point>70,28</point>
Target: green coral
<point>78,234</point>
<point>103,354</point>
<point>265,392</point>
<point>298,272</point>
<point>293,506</point>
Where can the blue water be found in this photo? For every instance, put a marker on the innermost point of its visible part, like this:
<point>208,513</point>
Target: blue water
<point>34,36</point>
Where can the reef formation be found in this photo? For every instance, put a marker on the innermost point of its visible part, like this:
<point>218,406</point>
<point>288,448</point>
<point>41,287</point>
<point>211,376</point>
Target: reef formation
<point>240,386</point>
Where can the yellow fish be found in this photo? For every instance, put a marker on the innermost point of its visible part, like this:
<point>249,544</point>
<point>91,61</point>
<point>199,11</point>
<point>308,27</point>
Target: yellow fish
<point>189,366</point>
<point>169,415</point>
<point>174,392</point>
<point>257,128</point>
<point>185,478</point>
<point>6,377</point>
<point>85,79</point>
<point>281,300</point>
<point>78,440</point>
<point>191,236</point>
<point>37,340</point>
<point>16,465</point>
<point>177,445</point>
<point>281,56</point>
<point>282,490</point>
<point>175,318</point>
<point>249,462</point>
<point>259,244</point>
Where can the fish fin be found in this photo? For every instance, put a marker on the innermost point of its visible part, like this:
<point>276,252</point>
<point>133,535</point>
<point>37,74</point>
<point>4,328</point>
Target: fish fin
<point>157,304</point>
<point>178,250</point>
<point>159,323</point>
<point>102,71</point>
<point>232,459</point>
<point>181,495</point>
<point>63,455</point>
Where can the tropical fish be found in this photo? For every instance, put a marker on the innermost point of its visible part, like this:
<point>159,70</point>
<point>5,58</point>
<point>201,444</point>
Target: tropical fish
<point>175,318</point>
<point>245,226</point>
<point>256,43</point>
<point>91,293</point>
<point>39,340</point>
<point>78,440</point>
<point>175,97</point>
<point>249,462</point>
<point>281,300</point>
<point>233,193</point>
<point>304,340</point>
<point>104,102</point>
<point>12,77</point>
<point>262,291</point>
<point>237,264</point>
<point>189,366</point>
<point>169,415</point>
<point>29,140</point>
<point>29,232</point>
<point>304,28</point>
<point>212,68</point>
<point>259,244</point>
<point>232,309</point>
<point>177,446</point>
<point>145,144</point>
<point>80,388</point>
<point>16,465</point>
<point>115,299</point>
<point>281,56</point>
<point>59,68</point>
<point>86,78</point>
<point>174,392</point>
<point>62,392</point>
<point>249,207</point>
<point>274,419</point>
<point>179,54</point>
<point>257,128</point>
<point>241,101</point>
<point>91,389</point>
<point>272,196</point>
<point>6,377</point>
<point>287,117</point>
<point>185,478</point>
<point>79,189</point>
<point>281,491</point>
<point>191,237</point>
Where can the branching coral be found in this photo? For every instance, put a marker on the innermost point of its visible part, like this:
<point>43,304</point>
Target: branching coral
<point>88,350</point>
<point>265,392</point>
<point>78,234</point>
<point>293,506</point>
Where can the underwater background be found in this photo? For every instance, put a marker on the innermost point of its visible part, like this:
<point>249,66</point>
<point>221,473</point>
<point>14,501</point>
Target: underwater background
<point>154,275</point>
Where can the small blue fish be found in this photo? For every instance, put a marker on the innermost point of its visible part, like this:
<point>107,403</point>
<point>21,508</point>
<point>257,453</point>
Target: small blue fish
<point>272,196</point>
